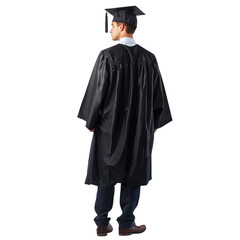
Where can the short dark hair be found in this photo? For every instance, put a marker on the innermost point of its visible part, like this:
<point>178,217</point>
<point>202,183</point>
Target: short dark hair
<point>129,28</point>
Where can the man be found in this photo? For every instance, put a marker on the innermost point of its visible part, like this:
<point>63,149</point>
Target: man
<point>124,103</point>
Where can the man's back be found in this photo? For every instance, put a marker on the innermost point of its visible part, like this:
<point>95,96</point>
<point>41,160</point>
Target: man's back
<point>125,101</point>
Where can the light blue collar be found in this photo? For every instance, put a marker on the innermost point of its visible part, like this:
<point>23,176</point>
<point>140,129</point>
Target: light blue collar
<point>127,41</point>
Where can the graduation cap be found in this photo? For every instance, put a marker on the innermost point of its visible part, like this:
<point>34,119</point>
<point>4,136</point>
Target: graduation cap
<point>123,14</point>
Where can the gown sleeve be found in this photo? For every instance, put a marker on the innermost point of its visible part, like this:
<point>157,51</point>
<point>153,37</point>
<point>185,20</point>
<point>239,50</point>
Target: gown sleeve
<point>95,92</point>
<point>161,110</point>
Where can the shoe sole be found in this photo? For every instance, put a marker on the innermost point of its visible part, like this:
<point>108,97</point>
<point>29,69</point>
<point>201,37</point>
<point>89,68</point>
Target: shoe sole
<point>127,234</point>
<point>102,234</point>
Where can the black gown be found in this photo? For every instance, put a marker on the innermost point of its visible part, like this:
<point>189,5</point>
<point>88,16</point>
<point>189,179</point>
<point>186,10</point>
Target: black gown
<point>125,101</point>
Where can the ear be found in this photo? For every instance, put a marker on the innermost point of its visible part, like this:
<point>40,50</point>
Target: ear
<point>122,26</point>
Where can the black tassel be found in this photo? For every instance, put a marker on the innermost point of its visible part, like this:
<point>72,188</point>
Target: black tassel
<point>106,23</point>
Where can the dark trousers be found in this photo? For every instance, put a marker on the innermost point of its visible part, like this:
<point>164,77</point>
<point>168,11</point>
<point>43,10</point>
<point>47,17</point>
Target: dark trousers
<point>129,197</point>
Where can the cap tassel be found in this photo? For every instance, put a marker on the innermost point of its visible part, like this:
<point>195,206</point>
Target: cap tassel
<point>106,23</point>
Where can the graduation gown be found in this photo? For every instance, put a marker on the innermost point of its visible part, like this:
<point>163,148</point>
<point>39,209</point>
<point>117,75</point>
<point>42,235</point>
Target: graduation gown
<point>125,100</point>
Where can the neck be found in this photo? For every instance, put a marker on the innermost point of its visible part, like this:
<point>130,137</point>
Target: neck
<point>126,35</point>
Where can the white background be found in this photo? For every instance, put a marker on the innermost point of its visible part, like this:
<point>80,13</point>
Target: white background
<point>47,53</point>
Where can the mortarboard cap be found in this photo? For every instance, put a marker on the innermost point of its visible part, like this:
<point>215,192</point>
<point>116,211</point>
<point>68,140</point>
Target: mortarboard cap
<point>123,14</point>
